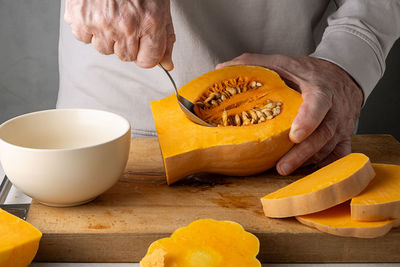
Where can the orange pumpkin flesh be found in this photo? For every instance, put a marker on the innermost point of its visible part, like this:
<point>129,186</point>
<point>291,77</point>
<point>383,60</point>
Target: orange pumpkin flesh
<point>189,148</point>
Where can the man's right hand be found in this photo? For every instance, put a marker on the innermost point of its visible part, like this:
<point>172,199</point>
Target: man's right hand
<point>139,31</point>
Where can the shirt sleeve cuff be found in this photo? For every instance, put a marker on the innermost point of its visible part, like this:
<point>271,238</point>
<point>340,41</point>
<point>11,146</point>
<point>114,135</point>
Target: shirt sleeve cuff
<point>355,53</point>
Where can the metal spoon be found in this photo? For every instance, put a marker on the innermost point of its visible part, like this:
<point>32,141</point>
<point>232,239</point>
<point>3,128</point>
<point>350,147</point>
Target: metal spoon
<point>186,105</point>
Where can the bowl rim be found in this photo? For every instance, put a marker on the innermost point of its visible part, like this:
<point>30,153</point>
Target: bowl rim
<point>128,129</point>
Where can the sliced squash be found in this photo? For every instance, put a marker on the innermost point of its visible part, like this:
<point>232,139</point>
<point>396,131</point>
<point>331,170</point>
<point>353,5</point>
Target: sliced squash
<point>19,241</point>
<point>381,199</point>
<point>205,243</point>
<point>325,188</point>
<point>253,110</point>
<point>337,221</point>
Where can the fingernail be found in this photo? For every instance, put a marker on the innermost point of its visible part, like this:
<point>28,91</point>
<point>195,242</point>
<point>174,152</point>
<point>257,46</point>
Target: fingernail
<point>285,168</point>
<point>297,135</point>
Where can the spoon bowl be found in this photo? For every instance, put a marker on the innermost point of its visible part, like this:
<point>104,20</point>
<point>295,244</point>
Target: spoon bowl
<point>186,105</point>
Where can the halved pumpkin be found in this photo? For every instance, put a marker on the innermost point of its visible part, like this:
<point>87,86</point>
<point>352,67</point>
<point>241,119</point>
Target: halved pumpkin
<point>237,146</point>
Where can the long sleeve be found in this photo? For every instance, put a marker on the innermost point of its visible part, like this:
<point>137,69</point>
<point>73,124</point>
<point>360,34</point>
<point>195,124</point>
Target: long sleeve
<point>359,37</point>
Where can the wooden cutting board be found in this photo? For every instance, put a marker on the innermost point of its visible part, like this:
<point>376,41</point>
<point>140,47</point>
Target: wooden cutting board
<point>120,224</point>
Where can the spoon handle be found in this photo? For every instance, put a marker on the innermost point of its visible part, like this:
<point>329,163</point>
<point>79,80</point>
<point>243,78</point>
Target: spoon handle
<point>170,77</point>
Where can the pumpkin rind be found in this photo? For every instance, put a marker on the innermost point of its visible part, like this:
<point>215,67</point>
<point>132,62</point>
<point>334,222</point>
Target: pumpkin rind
<point>188,148</point>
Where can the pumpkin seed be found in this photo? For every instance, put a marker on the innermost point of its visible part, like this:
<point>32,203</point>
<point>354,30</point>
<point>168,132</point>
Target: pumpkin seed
<point>254,118</point>
<point>276,111</point>
<point>237,120</point>
<point>270,105</point>
<point>260,115</point>
<point>224,118</point>
<point>245,118</point>
<point>267,112</point>
<point>209,98</point>
<point>232,91</point>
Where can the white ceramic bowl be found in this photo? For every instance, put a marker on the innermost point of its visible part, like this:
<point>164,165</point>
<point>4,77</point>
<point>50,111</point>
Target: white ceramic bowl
<point>65,157</point>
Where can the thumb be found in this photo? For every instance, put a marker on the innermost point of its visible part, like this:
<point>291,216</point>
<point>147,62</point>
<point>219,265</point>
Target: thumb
<point>312,111</point>
<point>166,61</point>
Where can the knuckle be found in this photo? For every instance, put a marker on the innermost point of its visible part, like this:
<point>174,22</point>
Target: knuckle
<point>323,96</point>
<point>128,23</point>
<point>67,18</point>
<point>303,152</point>
<point>108,51</point>
<point>171,38</point>
<point>326,131</point>
<point>81,37</point>
<point>315,159</point>
<point>146,61</point>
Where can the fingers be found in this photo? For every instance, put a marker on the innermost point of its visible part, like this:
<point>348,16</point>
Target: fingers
<point>324,152</point>
<point>300,153</point>
<point>152,42</point>
<point>342,149</point>
<point>67,12</point>
<point>139,31</point>
<point>151,49</point>
<point>83,36</point>
<point>126,50</point>
<point>103,44</point>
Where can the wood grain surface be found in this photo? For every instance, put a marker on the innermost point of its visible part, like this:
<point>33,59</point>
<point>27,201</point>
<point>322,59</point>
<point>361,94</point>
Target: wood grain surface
<point>119,225</point>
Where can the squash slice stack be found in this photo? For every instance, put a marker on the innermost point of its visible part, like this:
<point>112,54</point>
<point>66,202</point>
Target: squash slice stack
<point>19,241</point>
<point>319,200</point>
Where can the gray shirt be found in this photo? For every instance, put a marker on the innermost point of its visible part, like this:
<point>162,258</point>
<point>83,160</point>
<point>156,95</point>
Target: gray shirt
<point>354,34</point>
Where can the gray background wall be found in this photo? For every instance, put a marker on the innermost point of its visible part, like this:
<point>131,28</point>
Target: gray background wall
<point>29,71</point>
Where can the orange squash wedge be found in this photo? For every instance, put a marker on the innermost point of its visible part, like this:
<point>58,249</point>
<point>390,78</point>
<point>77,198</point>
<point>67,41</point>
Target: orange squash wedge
<point>381,199</point>
<point>337,221</point>
<point>253,110</point>
<point>325,188</point>
<point>19,241</point>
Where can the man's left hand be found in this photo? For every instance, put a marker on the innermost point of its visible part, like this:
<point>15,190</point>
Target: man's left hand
<point>326,119</point>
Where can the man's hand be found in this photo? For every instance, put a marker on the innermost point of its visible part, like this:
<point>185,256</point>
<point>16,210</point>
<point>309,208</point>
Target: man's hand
<point>139,31</point>
<point>331,105</point>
